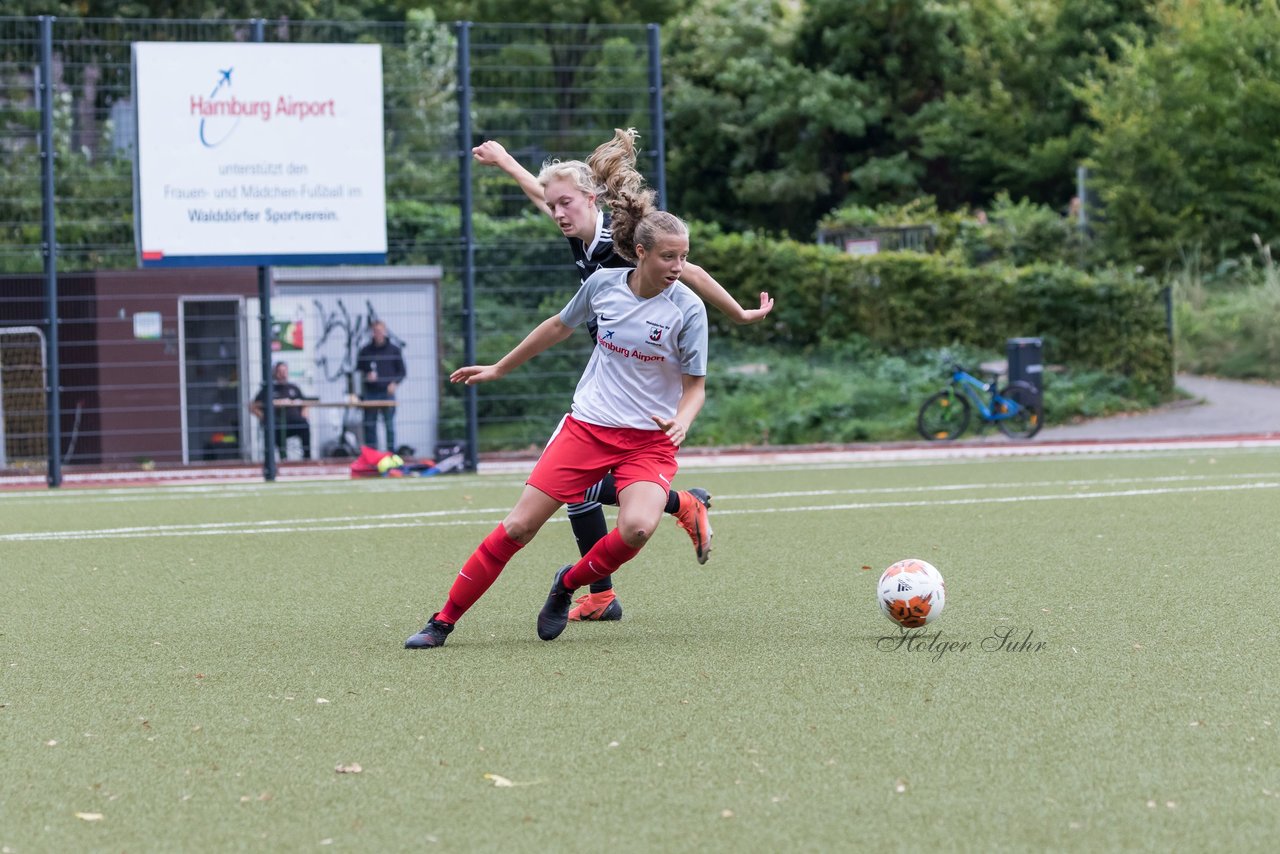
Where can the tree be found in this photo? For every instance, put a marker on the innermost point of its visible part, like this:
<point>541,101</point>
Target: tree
<point>297,10</point>
<point>1011,118</point>
<point>752,134</point>
<point>1188,133</point>
<point>559,11</point>
<point>903,53</point>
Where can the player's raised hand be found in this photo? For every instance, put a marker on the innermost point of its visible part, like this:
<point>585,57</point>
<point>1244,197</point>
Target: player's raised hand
<point>751,315</point>
<point>472,374</point>
<point>490,153</point>
<point>675,431</point>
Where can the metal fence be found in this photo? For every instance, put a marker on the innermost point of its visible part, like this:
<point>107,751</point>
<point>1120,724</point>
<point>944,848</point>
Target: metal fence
<point>146,368</point>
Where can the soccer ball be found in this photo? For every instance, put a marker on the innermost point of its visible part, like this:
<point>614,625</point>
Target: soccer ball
<point>911,593</point>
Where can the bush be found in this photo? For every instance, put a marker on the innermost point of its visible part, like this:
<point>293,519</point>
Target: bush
<point>1231,331</point>
<point>1017,233</point>
<point>1106,320</point>
<point>1021,233</point>
<point>850,392</point>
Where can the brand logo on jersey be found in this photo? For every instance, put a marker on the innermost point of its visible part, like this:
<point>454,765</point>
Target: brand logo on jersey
<point>607,336</point>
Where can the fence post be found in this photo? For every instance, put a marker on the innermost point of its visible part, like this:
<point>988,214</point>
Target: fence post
<point>50,247</point>
<point>470,401</point>
<point>656,113</point>
<point>264,332</point>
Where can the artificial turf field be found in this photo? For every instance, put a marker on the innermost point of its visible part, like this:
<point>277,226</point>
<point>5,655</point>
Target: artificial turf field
<point>187,668</point>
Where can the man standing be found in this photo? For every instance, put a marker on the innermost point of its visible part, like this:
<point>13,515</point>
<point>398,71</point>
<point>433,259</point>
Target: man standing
<point>291,420</point>
<point>381,367</point>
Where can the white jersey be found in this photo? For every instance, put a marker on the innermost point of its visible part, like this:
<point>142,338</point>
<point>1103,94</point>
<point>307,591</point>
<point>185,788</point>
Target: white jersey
<point>643,349</point>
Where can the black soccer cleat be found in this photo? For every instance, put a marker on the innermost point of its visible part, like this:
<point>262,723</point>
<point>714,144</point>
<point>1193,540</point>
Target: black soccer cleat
<point>554,615</point>
<point>433,634</point>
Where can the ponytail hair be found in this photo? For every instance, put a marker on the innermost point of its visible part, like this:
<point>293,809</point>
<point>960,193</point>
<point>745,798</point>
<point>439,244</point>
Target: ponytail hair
<point>632,204</point>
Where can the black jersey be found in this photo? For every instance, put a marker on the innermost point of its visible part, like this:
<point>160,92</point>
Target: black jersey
<point>598,254</point>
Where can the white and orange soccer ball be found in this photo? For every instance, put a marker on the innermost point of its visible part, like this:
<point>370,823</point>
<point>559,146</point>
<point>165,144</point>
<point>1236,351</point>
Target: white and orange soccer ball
<point>911,593</point>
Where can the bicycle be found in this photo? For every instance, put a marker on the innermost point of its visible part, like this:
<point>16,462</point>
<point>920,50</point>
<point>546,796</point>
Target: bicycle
<point>1015,409</point>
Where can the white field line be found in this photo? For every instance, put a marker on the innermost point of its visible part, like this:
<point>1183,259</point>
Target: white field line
<point>1013,484</point>
<point>265,526</point>
<point>442,517</point>
<point>209,491</point>
<point>366,488</point>
<point>1004,452</point>
<point>213,482</point>
<point>500,475</point>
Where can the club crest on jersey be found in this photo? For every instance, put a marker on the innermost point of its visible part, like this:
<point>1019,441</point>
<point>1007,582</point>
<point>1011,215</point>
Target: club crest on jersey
<point>655,331</point>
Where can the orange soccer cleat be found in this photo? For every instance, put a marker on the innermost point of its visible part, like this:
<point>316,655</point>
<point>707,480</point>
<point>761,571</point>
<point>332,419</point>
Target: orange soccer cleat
<point>597,606</point>
<point>692,516</point>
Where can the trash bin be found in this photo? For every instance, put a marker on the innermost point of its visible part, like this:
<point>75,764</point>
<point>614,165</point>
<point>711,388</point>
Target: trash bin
<point>1026,363</point>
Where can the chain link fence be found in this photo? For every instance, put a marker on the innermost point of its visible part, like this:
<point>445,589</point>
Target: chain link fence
<point>157,368</point>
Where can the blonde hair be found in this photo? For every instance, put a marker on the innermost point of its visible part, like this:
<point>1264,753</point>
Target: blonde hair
<point>636,219</point>
<point>574,171</point>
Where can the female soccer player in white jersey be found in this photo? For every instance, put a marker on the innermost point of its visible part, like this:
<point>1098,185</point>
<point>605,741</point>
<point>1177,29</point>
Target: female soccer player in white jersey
<point>568,192</point>
<point>640,392</point>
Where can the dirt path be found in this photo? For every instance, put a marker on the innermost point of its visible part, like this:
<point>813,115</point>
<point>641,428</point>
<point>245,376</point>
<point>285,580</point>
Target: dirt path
<point>1218,408</point>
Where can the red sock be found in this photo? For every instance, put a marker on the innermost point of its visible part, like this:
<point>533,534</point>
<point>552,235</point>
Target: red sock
<point>602,560</point>
<point>478,573</point>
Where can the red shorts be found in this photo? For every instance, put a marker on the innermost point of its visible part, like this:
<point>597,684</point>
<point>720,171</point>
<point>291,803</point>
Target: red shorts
<point>578,455</point>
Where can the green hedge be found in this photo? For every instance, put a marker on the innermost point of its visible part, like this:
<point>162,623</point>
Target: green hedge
<point>905,301</point>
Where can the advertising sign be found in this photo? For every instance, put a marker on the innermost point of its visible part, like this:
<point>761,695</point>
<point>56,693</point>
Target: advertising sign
<point>258,154</point>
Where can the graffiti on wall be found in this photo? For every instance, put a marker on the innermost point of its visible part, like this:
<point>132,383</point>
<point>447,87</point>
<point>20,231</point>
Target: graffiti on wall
<point>345,332</point>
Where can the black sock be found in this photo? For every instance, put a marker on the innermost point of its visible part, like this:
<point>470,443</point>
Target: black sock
<point>673,501</point>
<point>606,491</point>
<point>589,527</point>
<point>588,523</point>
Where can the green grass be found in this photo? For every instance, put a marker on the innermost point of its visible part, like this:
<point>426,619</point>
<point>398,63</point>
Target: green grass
<point>195,665</point>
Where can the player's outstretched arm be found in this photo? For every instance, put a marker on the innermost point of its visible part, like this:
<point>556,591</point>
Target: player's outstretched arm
<point>705,286</point>
<point>491,153</point>
<point>547,334</point>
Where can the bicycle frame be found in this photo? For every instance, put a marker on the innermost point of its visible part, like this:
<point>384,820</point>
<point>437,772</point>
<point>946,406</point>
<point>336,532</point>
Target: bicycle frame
<point>1014,409</point>
<point>973,388</point>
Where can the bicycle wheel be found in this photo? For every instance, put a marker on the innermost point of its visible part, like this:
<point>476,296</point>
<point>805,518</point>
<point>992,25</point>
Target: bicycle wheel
<point>945,415</point>
<point>1027,416</point>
